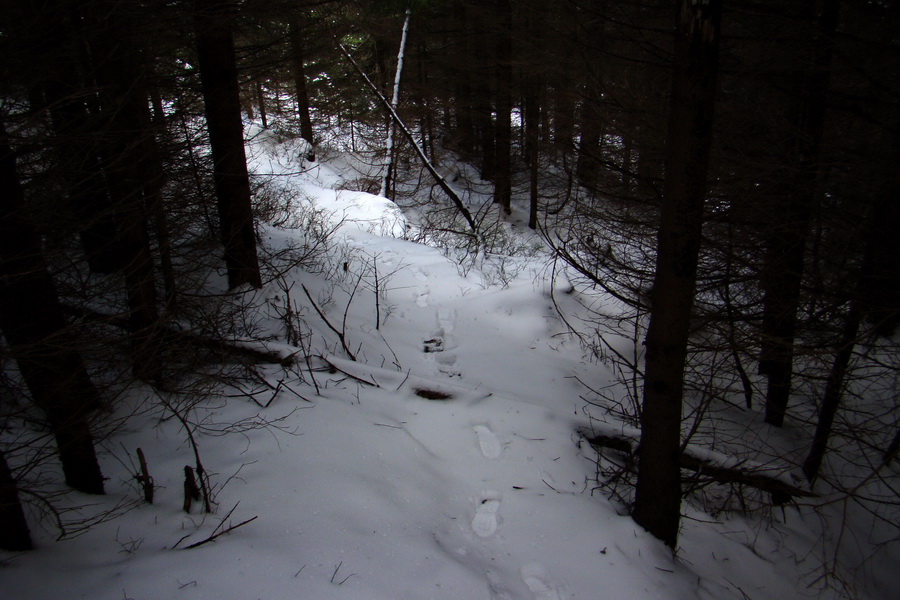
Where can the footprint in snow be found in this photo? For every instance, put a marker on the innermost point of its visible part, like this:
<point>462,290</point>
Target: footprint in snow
<point>535,577</point>
<point>446,318</point>
<point>485,522</point>
<point>441,342</point>
<point>422,299</point>
<point>488,442</point>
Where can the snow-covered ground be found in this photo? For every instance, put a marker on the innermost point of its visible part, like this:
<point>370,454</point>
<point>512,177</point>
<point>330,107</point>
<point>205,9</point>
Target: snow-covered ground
<point>372,491</point>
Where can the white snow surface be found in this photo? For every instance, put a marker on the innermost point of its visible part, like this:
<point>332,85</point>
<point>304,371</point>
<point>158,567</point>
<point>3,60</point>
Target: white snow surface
<point>372,492</point>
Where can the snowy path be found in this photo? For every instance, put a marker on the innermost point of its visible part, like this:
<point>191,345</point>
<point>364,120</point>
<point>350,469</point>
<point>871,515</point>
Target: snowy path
<point>379,493</point>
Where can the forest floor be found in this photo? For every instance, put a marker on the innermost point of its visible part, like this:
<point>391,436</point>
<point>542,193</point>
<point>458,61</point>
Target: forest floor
<point>444,463</point>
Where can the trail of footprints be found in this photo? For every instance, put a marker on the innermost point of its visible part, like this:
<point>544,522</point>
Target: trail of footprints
<point>486,521</point>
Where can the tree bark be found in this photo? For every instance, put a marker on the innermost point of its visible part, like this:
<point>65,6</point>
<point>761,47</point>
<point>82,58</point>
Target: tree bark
<point>503,148</point>
<point>72,103</point>
<point>14,533</point>
<point>464,136</point>
<point>785,254</point>
<point>32,322</point>
<point>831,397</point>
<point>532,138</point>
<point>133,181</point>
<point>850,333</point>
<point>658,494</point>
<point>483,76</point>
<point>387,180</point>
<point>221,95</point>
<point>297,62</point>
<point>261,103</point>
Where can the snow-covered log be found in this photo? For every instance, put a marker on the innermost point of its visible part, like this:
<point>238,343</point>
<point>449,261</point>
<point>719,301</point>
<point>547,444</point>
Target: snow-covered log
<point>712,465</point>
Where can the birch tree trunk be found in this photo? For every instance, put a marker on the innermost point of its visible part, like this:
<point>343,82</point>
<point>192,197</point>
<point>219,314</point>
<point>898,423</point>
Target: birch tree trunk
<point>387,180</point>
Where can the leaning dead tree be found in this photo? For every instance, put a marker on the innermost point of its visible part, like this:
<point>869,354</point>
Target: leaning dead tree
<point>395,99</point>
<point>438,178</point>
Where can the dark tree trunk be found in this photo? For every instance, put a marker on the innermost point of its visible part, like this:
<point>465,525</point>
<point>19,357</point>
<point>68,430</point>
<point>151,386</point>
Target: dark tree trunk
<point>261,103</point>
<point>563,115</point>
<point>464,137</point>
<point>133,181</point>
<point>221,95</point>
<point>14,533</point>
<point>503,150</point>
<point>785,254</point>
<point>87,191</point>
<point>880,295</point>
<point>831,398</point>
<point>531,97</point>
<point>32,322</point>
<point>532,137</point>
<point>72,104</point>
<point>484,72</point>
<point>592,120</point>
<point>154,177</point>
<point>658,494</point>
<point>870,271</point>
<point>297,62</point>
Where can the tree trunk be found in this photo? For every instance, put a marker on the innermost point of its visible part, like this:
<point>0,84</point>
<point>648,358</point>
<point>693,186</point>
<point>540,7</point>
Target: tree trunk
<point>464,137</point>
<point>503,148</point>
<point>128,151</point>
<point>869,272</point>
<point>387,180</point>
<point>787,240</point>
<point>658,494</point>
<point>532,137</point>
<point>14,533</point>
<point>297,63</point>
<point>34,327</point>
<point>72,105</point>
<point>482,78</point>
<point>531,97</point>
<point>831,398</point>
<point>221,95</point>
<point>261,103</point>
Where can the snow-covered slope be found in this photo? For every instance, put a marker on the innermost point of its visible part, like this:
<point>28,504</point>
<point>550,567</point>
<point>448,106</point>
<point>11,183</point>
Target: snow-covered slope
<point>374,491</point>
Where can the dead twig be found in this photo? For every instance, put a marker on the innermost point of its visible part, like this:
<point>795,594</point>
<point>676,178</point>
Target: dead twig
<point>223,532</point>
<point>340,334</point>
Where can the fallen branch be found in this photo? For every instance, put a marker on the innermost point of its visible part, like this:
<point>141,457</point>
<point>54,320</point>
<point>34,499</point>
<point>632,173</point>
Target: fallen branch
<point>223,532</point>
<point>174,336</point>
<point>754,477</point>
<point>336,369</point>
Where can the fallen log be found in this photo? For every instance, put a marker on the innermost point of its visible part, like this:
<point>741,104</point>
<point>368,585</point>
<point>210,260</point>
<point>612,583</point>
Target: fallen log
<point>168,335</point>
<point>761,477</point>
